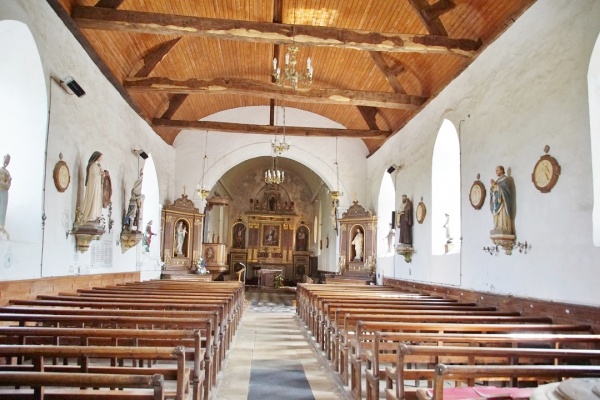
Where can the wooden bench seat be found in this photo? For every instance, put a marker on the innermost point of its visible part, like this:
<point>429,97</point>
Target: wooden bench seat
<point>200,374</point>
<point>86,358</point>
<point>364,330</point>
<point>422,360</point>
<point>204,326</point>
<point>380,354</point>
<point>67,386</point>
<point>541,373</point>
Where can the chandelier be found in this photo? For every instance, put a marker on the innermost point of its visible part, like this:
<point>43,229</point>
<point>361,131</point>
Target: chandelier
<point>290,76</point>
<point>200,189</point>
<point>274,175</point>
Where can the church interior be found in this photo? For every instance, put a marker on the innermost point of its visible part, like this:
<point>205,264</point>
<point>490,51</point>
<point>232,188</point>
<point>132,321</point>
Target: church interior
<point>322,167</point>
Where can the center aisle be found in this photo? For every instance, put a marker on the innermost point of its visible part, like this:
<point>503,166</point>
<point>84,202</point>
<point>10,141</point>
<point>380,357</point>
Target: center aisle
<point>272,356</point>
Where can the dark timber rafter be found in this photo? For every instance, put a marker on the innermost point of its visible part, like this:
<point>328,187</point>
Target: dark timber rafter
<point>429,14</point>
<point>271,91</point>
<point>268,129</point>
<point>268,32</point>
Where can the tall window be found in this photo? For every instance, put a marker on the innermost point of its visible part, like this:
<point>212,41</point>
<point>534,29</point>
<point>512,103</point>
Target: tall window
<point>594,101</point>
<point>151,206</point>
<point>445,191</point>
<point>385,207</point>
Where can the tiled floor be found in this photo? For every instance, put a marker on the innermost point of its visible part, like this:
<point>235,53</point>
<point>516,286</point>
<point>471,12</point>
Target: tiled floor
<point>271,331</point>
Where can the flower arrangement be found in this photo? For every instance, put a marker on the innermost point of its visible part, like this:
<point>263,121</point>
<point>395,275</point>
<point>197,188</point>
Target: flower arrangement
<point>278,280</point>
<point>201,267</point>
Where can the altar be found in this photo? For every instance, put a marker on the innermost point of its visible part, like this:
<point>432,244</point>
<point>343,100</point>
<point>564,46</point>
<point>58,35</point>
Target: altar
<point>266,277</point>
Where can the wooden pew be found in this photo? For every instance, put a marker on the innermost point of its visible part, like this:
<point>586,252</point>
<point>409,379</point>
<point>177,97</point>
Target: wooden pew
<point>464,355</point>
<point>381,353</point>
<point>363,330</point>
<point>539,372</point>
<point>84,364</point>
<point>223,336</point>
<point>111,321</point>
<point>200,375</point>
<point>70,386</point>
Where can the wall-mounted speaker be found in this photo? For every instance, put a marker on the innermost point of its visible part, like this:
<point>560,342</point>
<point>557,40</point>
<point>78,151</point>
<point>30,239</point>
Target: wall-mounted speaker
<point>72,86</point>
<point>393,218</point>
<point>391,169</point>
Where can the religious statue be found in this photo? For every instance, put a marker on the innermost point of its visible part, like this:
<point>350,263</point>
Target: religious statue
<point>301,239</point>
<point>501,202</point>
<point>180,234</point>
<point>446,226</point>
<point>390,238</point>
<point>5,181</point>
<point>239,236</point>
<point>132,218</point>
<point>358,245</point>
<point>405,220</point>
<point>147,239</point>
<point>91,210</point>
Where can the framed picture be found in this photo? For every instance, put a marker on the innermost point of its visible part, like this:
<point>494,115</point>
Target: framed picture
<point>271,235</point>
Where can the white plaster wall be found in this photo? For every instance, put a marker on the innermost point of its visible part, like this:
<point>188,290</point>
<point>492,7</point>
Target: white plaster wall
<point>101,120</point>
<point>526,90</point>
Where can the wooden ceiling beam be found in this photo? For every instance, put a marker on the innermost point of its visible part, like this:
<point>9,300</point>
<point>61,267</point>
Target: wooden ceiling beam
<point>268,32</point>
<point>174,103</point>
<point>369,114</point>
<point>109,3</point>
<point>430,13</point>
<point>387,71</point>
<point>268,130</point>
<point>270,91</point>
<point>154,57</point>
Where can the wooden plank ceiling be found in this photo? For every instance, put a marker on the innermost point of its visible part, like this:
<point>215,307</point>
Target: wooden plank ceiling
<point>376,62</point>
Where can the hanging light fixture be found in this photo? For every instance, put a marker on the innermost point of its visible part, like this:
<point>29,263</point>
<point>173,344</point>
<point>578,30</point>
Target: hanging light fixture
<point>274,175</point>
<point>200,189</point>
<point>277,146</point>
<point>290,76</point>
<point>335,194</point>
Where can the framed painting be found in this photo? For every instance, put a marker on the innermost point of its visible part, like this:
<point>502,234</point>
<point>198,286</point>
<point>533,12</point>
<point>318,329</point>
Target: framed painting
<point>271,235</point>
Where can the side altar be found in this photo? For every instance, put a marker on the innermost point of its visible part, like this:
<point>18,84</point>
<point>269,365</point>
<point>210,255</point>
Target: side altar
<point>181,237</point>
<point>358,243</point>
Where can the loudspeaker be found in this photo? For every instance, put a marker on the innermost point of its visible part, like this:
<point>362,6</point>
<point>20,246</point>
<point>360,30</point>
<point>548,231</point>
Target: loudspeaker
<point>393,218</point>
<point>143,154</point>
<point>73,86</point>
<point>391,169</point>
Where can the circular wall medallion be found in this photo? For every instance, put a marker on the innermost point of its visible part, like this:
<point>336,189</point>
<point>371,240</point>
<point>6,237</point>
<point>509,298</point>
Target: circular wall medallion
<point>421,212</point>
<point>477,194</point>
<point>545,173</point>
<point>61,175</point>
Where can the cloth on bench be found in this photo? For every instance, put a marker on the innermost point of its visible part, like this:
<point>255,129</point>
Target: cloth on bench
<point>571,389</point>
<point>479,393</point>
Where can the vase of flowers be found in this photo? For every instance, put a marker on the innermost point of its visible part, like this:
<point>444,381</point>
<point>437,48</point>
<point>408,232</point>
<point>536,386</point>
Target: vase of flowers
<point>201,267</point>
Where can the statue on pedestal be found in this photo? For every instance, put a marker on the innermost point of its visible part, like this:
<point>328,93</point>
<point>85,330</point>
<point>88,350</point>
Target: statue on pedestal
<point>5,181</point>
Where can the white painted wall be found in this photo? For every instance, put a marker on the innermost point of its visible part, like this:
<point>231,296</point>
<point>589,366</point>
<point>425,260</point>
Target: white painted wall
<point>526,90</point>
<point>101,120</point>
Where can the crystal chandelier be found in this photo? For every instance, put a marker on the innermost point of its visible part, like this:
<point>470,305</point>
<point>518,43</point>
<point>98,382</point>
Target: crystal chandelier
<point>200,189</point>
<point>290,76</point>
<point>274,175</point>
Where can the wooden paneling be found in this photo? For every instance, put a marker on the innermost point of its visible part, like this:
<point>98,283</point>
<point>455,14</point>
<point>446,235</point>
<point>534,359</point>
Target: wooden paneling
<point>31,288</point>
<point>559,312</point>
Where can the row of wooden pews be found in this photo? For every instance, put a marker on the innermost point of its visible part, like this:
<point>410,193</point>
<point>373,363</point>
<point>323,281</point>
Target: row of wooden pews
<point>410,341</point>
<point>155,339</point>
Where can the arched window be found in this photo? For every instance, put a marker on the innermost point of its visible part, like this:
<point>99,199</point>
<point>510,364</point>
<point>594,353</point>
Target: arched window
<point>445,192</point>
<point>23,112</point>
<point>594,102</point>
<point>385,224</point>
